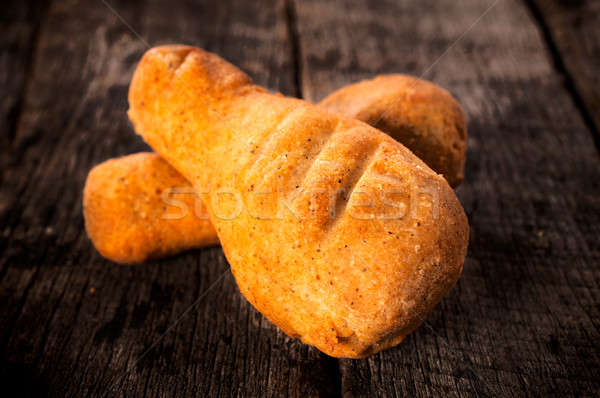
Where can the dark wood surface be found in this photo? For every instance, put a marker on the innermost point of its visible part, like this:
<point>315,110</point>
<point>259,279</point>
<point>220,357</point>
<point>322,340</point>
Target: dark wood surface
<point>572,30</point>
<point>524,318</point>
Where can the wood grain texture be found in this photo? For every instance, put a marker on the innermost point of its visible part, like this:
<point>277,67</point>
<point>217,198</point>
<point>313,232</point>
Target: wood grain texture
<point>19,25</point>
<point>524,318</point>
<point>572,29</point>
<point>75,324</point>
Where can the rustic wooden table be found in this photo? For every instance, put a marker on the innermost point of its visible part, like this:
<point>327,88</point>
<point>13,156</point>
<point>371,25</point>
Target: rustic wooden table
<point>524,319</point>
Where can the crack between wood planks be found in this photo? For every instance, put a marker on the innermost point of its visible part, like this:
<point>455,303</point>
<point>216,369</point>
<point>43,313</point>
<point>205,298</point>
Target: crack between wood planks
<point>332,367</point>
<point>561,68</point>
<point>294,39</point>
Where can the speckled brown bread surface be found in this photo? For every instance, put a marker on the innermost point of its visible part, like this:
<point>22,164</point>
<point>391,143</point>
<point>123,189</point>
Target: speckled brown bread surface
<point>334,231</point>
<point>422,116</point>
<point>444,118</point>
<point>138,208</point>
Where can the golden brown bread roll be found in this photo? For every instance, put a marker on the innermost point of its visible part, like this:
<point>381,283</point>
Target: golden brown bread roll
<point>420,115</point>
<point>334,231</point>
<point>138,207</point>
<point>411,127</point>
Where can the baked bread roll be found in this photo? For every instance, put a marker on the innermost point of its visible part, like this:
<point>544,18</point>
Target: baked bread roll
<point>334,231</point>
<point>422,116</point>
<point>106,216</point>
<point>138,208</point>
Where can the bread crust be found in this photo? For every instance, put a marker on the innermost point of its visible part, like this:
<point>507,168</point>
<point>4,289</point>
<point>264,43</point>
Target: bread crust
<point>321,269</point>
<point>429,136</point>
<point>422,116</point>
<point>138,208</point>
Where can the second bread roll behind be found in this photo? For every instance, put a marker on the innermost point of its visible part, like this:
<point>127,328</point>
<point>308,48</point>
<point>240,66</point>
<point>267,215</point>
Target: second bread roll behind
<point>334,231</point>
<point>422,116</point>
<point>138,208</point>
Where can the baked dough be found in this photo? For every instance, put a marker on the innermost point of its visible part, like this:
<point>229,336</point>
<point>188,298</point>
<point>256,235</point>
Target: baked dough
<point>138,208</point>
<point>334,231</point>
<point>423,117</point>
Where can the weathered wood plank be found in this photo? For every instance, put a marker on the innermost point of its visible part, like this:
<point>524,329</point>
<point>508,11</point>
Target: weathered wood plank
<point>19,24</point>
<point>75,324</point>
<point>524,318</point>
<point>572,29</point>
